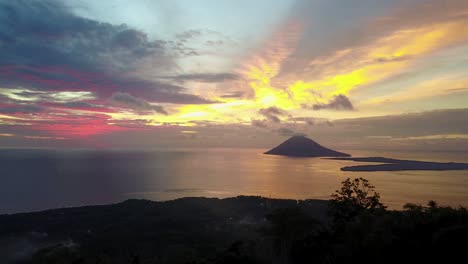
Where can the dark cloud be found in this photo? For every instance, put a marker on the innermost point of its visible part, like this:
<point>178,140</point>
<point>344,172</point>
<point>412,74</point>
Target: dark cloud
<point>259,123</point>
<point>393,59</point>
<point>130,38</point>
<point>339,103</point>
<point>136,103</point>
<point>204,77</point>
<point>39,79</point>
<point>47,33</point>
<point>274,118</point>
<point>44,46</point>
<point>21,109</point>
<point>272,113</point>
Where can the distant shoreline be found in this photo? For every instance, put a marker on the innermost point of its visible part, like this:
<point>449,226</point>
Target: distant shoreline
<point>399,165</point>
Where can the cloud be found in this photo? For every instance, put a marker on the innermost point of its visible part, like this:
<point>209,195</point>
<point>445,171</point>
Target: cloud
<point>272,113</point>
<point>189,34</point>
<point>438,130</point>
<point>287,132</point>
<point>363,47</point>
<point>364,21</point>
<point>456,89</point>
<point>259,123</point>
<point>59,124</point>
<point>180,49</point>
<point>26,95</point>
<point>136,103</point>
<point>310,121</point>
<point>204,77</point>
<point>47,47</point>
<point>79,105</point>
<point>393,58</point>
<point>49,78</point>
<point>427,12</point>
<point>193,42</point>
<point>434,137</point>
<point>237,94</point>
<point>214,43</point>
<point>437,122</point>
<point>435,87</point>
<point>339,103</point>
<point>21,109</point>
<point>48,33</point>
<point>72,66</point>
<point>199,42</point>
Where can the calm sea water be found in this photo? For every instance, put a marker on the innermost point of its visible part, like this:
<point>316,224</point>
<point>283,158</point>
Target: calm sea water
<point>33,180</point>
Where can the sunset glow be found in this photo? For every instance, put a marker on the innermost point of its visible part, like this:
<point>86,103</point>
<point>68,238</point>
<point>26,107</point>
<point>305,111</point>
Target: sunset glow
<point>285,74</point>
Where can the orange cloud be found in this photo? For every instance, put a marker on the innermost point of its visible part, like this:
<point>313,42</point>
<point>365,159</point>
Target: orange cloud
<point>340,73</point>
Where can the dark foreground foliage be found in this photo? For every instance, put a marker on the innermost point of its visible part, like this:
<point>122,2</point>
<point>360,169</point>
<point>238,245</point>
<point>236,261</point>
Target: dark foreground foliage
<point>354,227</point>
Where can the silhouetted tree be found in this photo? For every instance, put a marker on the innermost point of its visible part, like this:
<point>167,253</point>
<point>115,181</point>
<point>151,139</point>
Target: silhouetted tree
<point>354,197</point>
<point>412,207</point>
<point>432,204</point>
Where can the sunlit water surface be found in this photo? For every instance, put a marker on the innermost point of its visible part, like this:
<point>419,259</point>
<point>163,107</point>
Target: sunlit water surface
<point>41,179</point>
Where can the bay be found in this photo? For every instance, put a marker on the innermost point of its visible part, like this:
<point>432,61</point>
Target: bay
<point>32,180</point>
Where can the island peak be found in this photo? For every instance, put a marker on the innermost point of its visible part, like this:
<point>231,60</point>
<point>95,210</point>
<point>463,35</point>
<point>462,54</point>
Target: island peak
<point>302,146</point>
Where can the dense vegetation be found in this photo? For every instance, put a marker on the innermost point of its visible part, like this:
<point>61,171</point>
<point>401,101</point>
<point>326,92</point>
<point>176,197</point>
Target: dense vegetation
<point>353,227</point>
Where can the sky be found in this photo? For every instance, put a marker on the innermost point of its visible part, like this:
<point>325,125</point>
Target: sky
<point>234,73</point>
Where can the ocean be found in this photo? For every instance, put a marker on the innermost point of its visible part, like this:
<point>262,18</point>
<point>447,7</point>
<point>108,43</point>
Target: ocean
<point>32,180</point>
